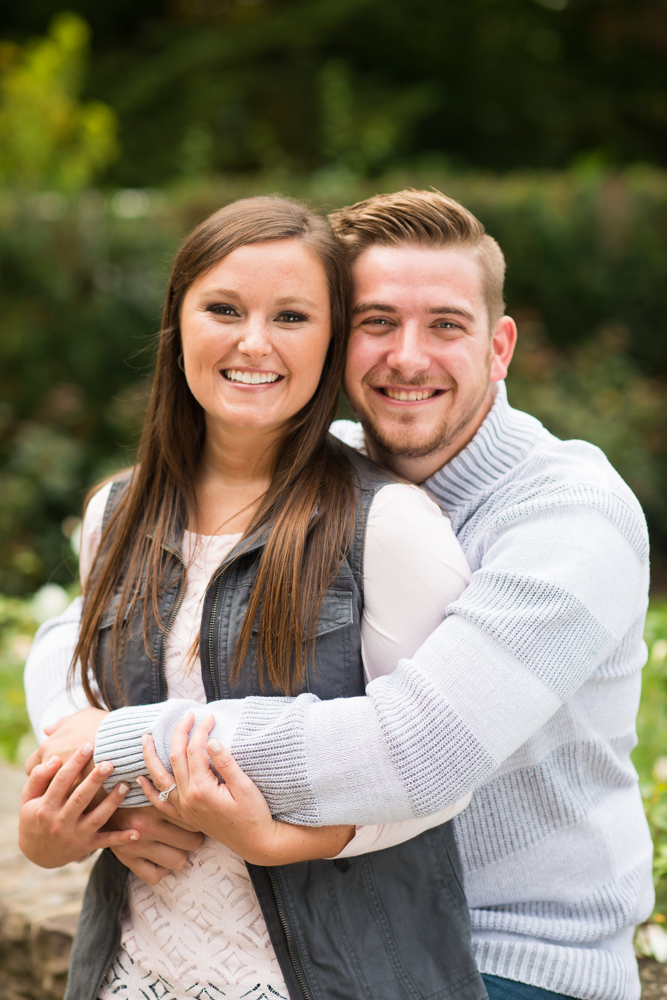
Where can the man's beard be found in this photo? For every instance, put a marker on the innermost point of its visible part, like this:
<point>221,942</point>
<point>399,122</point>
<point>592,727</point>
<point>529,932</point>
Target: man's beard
<point>402,440</point>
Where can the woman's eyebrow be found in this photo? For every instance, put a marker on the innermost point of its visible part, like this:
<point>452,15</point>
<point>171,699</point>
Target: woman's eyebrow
<point>226,293</point>
<point>297,299</point>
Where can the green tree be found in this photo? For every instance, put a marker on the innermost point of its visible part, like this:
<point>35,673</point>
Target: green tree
<point>48,137</point>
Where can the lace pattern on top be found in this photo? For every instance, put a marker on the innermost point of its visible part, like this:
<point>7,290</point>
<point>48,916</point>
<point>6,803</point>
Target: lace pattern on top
<point>199,933</point>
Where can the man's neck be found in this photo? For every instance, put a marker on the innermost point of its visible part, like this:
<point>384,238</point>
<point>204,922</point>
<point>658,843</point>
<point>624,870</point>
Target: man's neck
<point>417,470</point>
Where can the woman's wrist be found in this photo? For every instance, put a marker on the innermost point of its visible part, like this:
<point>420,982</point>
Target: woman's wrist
<point>286,844</point>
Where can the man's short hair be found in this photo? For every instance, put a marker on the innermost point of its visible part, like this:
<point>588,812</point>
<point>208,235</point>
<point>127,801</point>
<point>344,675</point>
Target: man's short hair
<point>425,219</point>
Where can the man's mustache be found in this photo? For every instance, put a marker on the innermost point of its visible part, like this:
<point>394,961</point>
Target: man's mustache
<point>417,381</point>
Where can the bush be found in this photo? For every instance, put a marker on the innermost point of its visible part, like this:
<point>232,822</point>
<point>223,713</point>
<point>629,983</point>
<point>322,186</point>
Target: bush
<point>82,276</point>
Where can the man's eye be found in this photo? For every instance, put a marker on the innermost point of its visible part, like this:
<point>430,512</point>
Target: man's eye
<point>447,324</point>
<point>222,309</point>
<point>376,321</point>
<point>291,317</point>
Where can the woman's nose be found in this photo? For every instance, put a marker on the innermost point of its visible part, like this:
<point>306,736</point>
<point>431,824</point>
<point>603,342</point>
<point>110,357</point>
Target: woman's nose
<point>255,340</point>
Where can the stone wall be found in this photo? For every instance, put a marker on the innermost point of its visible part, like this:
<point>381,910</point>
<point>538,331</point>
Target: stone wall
<point>39,909</point>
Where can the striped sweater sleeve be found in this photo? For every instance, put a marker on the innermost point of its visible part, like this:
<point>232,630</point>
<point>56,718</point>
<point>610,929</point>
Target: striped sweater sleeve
<point>561,584</point>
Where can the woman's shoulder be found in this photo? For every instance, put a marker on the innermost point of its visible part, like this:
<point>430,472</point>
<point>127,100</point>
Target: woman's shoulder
<point>93,520</point>
<point>406,499</point>
<point>97,505</point>
<point>404,522</point>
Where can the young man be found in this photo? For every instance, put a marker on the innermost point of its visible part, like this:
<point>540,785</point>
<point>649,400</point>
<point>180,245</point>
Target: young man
<point>528,691</point>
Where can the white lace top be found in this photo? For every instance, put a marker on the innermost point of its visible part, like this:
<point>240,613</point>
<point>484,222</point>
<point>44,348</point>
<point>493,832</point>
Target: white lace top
<point>200,932</point>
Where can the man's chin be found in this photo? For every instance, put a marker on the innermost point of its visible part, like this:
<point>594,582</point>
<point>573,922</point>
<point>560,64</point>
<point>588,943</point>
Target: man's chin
<point>406,443</point>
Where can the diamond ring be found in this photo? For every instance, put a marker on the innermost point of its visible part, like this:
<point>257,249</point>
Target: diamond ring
<point>163,796</point>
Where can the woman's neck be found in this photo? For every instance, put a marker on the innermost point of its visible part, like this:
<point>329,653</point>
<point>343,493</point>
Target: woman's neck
<point>235,472</point>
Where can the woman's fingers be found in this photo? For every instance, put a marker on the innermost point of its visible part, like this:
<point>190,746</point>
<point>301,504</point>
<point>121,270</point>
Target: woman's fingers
<point>61,784</point>
<point>98,816</point>
<point>162,778</point>
<point>39,779</point>
<point>179,747</point>
<point>50,730</point>
<point>83,794</point>
<point>113,838</point>
<point>236,780</point>
<point>147,871</point>
<point>165,806</point>
<point>201,733</point>
<point>198,763</point>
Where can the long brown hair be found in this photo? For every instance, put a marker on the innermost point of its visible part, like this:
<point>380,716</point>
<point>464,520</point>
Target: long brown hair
<point>308,508</point>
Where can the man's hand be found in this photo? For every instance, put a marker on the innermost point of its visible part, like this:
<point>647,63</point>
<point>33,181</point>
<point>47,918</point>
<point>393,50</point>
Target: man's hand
<point>66,736</point>
<point>163,846</point>
<point>54,827</point>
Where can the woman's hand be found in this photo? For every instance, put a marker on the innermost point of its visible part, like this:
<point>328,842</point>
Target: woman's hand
<point>163,847</point>
<point>66,735</point>
<point>54,827</point>
<point>235,812</point>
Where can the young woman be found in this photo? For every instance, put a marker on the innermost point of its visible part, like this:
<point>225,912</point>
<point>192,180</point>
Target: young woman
<point>250,552</point>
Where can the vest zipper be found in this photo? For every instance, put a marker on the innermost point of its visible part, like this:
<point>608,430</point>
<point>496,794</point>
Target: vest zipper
<point>288,936</point>
<point>100,981</point>
<point>211,633</point>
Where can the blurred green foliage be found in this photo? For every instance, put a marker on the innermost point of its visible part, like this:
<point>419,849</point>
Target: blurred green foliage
<point>649,756</point>
<point>308,85</point>
<point>17,627</point>
<point>48,138</point>
<point>81,279</point>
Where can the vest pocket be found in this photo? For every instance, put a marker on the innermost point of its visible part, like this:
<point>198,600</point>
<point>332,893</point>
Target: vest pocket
<point>336,611</point>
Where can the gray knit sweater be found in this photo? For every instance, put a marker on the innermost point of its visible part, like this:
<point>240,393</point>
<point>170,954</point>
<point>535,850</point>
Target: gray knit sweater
<point>527,693</point>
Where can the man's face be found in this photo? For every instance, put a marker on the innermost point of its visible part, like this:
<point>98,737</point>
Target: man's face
<point>421,356</point>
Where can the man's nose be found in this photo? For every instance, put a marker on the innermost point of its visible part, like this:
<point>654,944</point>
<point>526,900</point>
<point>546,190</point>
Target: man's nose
<point>408,351</point>
<point>255,339</point>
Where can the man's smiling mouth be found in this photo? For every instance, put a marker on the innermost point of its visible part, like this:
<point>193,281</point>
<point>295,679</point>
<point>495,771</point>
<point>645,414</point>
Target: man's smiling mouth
<point>250,378</point>
<point>409,395</point>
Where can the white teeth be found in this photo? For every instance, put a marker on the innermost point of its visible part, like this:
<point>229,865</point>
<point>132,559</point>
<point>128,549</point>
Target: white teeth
<point>409,397</point>
<point>250,378</point>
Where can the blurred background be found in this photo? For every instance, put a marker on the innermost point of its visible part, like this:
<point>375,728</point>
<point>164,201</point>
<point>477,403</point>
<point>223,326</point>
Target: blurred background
<point>124,123</point>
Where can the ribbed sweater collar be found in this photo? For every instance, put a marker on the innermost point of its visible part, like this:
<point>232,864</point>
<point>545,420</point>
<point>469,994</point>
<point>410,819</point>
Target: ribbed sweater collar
<point>502,441</point>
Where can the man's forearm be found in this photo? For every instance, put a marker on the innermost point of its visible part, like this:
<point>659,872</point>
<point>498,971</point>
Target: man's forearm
<point>47,669</point>
<point>517,644</point>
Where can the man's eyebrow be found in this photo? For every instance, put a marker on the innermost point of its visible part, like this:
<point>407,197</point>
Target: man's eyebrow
<point>452,310</point>
<point>363,307</point>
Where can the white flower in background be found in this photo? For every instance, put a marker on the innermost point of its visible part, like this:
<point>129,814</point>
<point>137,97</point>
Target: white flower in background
<point>48,602</point>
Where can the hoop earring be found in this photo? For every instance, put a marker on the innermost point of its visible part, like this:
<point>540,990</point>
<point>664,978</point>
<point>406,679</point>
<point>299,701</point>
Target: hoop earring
<point>180,363</point>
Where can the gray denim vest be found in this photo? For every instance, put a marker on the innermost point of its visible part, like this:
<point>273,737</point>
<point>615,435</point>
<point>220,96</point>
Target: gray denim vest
<point>389,925</point>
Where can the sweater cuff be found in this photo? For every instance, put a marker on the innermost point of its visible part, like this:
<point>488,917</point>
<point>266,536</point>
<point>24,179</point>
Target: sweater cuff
<point>119,742</point>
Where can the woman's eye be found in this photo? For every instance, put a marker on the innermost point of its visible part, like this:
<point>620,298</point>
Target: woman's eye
<point>222,309</point>
<point>291,317</point>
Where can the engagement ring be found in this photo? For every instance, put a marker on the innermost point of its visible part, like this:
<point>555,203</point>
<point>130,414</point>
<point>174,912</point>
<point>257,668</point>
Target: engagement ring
<point>163,796</point>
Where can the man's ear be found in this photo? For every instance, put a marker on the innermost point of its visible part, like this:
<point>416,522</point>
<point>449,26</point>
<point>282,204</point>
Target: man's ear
<point>503,344</point>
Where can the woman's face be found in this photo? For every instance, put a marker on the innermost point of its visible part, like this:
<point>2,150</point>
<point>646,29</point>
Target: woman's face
<point>255,331</point>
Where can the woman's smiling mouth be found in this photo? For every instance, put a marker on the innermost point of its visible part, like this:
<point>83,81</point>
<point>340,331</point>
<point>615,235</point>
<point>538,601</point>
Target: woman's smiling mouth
<point>250,378</point>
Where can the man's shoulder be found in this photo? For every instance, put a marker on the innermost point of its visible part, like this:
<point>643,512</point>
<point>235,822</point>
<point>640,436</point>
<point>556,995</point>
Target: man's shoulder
<point>557,476</point>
